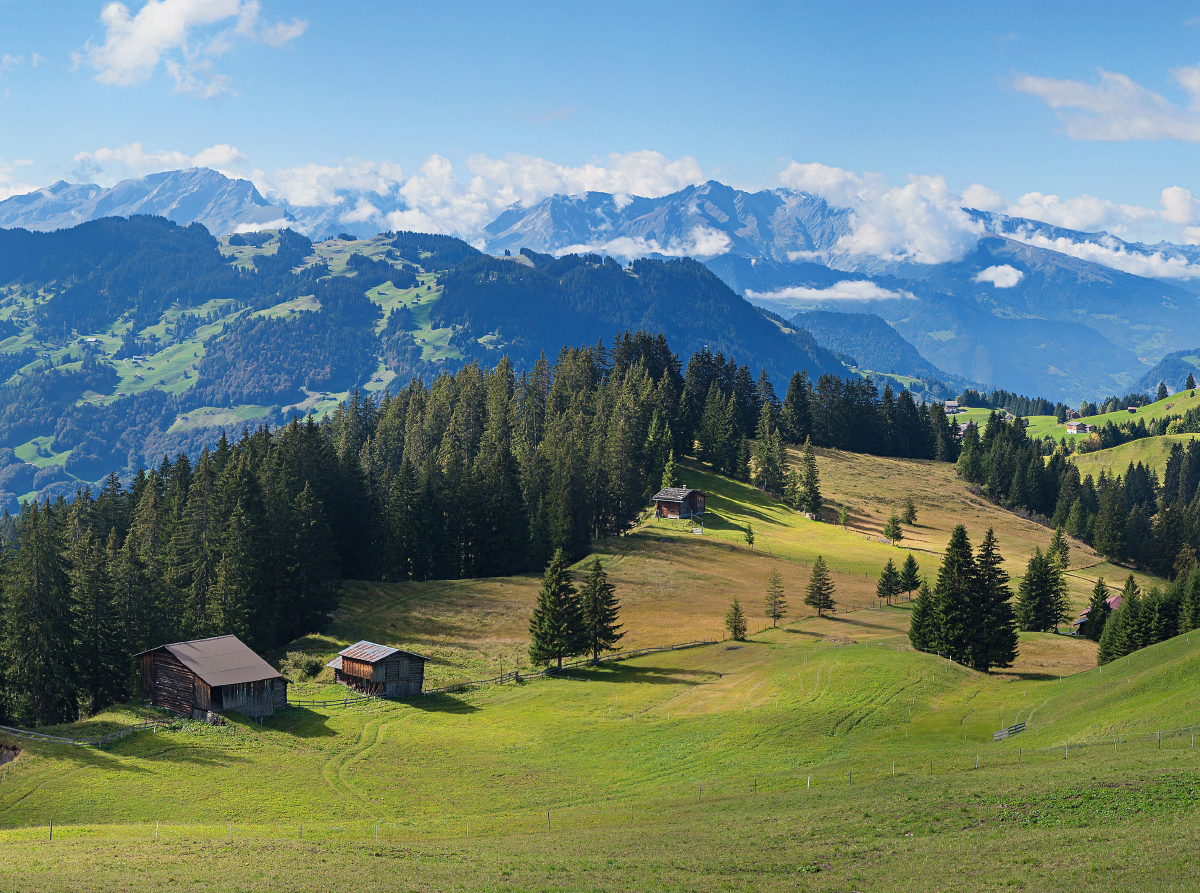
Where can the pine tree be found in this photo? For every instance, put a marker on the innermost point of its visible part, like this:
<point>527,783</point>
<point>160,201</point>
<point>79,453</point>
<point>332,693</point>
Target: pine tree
<point>888,586</point>
<point>768,475</point>
<point>954,617</point>
<point>1189,608</point>
<point>749,534</point>
<point>1109,535</point>
<point>910,512</point>
<point>819,593</point>
<point>995,639</point>
<point>810,481</point>
<point>1098,612</point>
<point>670,477</point>
<point>98,648</point>
<point>556,626</point>
<point>775,605</point>
<point>1162,392</point>
<point>843,515</point>
<point>1190,384</point>
<point>735,621</point>
<point>910,575</point>
<point>1060,548</point>
<point>600,610</point>
<point>921,632</point>
<point>892,529</point>
<point>1060,597</point>
<point>1035,595</point>
<point>37,624</point>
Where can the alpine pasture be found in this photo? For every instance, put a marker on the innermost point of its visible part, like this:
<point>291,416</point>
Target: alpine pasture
<point>822,755</point>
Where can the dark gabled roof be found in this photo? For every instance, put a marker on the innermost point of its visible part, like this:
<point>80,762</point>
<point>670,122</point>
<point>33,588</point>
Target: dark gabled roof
<point>675,494</point>
<point>222,660</point>
<point>370,653</point>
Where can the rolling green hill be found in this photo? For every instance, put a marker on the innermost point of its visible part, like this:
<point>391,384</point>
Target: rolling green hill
<point>792,760</point>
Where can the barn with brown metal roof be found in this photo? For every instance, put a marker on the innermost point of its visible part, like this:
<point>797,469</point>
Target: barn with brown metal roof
<point>379,670</point>
<point>208,675</point>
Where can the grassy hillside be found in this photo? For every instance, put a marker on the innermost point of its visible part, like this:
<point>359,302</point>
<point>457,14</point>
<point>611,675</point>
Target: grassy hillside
<point>735,758</point>
<point>1151,451</point>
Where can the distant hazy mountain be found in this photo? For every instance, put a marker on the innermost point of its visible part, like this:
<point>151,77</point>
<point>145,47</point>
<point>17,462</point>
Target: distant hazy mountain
<point>1172,370</point>
<point>700,220</point>
<point>198,195</point>
<point>869,339</point>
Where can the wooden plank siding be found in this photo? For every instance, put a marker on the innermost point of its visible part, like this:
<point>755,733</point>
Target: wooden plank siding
<point>172,684</point>
<point>253,698</point>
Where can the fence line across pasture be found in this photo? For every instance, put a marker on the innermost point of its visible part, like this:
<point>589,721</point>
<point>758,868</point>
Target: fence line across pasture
<point>85,742</point>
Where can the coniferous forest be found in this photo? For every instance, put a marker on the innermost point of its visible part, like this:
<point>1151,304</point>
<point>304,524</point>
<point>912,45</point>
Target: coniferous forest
<point>484,472</point>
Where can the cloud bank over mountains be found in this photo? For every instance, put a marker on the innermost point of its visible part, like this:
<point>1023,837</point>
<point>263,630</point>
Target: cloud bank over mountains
<point>923,221</point>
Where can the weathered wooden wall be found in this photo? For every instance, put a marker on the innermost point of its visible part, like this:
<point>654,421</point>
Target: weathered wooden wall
<point>253,698</point>
<point>173,683</point>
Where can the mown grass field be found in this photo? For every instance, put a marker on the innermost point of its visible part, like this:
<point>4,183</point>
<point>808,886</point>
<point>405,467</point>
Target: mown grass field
<point>1151,451</point>
<point>763,765</point>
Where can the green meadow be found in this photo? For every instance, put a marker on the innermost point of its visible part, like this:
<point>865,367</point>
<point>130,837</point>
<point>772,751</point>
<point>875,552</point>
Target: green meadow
<point>822,755</point>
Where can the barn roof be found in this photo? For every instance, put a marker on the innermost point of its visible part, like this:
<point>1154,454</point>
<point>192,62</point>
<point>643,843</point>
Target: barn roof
<point>370,653</point>
<point>675,494</point>
<point>222,660</point>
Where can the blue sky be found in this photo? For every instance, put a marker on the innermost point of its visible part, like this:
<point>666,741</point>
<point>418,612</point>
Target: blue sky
<point>1024,99</point>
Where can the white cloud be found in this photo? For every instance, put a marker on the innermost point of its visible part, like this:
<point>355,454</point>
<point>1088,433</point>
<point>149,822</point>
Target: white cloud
<point>178,33</point>
<point>280,223</point>
<point>36,59</point>
<point>981,198</point>
<point>107,165</point>
<point>1002,276</point>
<point>9,183</point>
<point>847,290</point>
<point>362,212</point>
<point>1111,253</point>
<point>8,62</point>
<point>701,241</point>
<point>1117,108</point>
<point>526,179</point>
<point>1179,206</point>
<point>1084,212</point>
<point>313,185</point>
<point>922,222</point>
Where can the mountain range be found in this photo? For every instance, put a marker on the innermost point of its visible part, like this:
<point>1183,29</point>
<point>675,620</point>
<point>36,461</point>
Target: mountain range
<point>1028,308</point>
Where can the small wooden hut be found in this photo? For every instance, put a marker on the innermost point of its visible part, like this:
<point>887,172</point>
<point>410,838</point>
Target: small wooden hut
<point>679,502</point>
<point>379,670</point>
<point>207,675</point>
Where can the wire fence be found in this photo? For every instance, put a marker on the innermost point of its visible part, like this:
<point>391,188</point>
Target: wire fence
<point>85,742</point>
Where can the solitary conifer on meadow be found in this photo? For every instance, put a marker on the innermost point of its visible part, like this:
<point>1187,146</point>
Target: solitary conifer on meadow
<point>556,624</point>
<point>892,530</point>
<point>995,638</point>
<point>1190,384</point>
<point>910,575</point>
<point>599,608</point>
<point>775,603</point>
<point>910,512</point>
<point>819,593</point>
<point>888,586</point>
<point>735,621</point>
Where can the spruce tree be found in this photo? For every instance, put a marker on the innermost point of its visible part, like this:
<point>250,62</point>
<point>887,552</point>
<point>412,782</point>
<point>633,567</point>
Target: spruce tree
<point>888,586</point>
<point>910,575</point>
<point>1109,535</point>
<point>98,647</point>
<point>843,515</point>
<point>892,529</point>
<point>910,512</point>
<point>921,625</point>
<point>954,620</point>
<point>1190,384</point>
<point>819,592</point>
<point>749,535</point>
<point>37,624</point>
<point>1036,595</point>
<point>1098,612</point>
<point>670,477</point>
<point>775,605</point>
<point>1060,596</point>
<point>1189,608</point>
<point>1060,549</point>
<point>1162,392</point>
<point>600,610</point>
<point>735,621</point>
<point>810,481</point>
<point>556,627</point>
<point>995,640</point>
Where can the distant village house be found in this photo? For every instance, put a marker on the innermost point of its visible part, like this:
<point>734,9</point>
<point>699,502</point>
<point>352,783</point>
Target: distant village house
<point>202,677</point>
<point>1080,428</point>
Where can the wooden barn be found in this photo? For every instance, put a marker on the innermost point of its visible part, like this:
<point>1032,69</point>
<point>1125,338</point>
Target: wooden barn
<point>208,675</point>
<point>679,502</point>
<point>379,670</point>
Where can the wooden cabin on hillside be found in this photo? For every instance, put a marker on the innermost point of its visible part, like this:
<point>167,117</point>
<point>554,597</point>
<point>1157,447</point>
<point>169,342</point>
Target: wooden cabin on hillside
<point>379,670</point>
<point>679,502</point>
<point>207,675</point>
